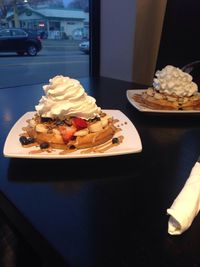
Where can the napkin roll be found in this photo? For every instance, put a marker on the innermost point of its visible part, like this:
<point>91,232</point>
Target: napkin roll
<point>187,204</point>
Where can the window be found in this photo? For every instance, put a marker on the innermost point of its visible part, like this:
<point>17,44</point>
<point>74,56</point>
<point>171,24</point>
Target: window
<point>5,33</point>
<point>18,33</point>
<point>60,27</point>
<point>54,25</point>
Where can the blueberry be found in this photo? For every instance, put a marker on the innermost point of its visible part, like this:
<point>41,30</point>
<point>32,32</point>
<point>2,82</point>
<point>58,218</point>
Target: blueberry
<point>44,145</point>
<point>46,119</point>
<point>72,147</point>
<point>115,140</point>
<point>23,140</point>
<point>31,140</point>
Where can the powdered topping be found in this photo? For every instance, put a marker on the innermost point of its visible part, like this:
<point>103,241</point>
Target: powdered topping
<point>173,81</point>
<point>66,97</point>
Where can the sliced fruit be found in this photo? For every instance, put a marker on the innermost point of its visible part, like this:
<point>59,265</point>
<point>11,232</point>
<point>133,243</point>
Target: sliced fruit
<point>67,132</point>
<point>104,121</point>
<point>82,132</point>
<point>79,123</point>
<point>56,131</point>
<point>32,123</point>
<point>40,128</point>
<point>95,127</point>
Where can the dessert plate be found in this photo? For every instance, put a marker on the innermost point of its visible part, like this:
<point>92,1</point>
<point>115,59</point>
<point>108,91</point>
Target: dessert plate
<point>131,142</point>
<point>138,106</point>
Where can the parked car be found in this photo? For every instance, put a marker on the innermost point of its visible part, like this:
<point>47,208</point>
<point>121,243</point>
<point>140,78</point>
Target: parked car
<point>85,47</point>
<point>20,41</point>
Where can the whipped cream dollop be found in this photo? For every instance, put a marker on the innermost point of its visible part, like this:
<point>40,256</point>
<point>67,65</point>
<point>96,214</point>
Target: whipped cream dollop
<point>173,81</point>
<point>66,97</point>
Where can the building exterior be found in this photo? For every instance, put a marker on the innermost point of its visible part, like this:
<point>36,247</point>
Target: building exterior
<point>57,23</point>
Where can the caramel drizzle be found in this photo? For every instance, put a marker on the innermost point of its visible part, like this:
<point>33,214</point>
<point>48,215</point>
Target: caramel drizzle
<point>104,147</point>
<point>96,149</point>
<point>67,151</point>
<point>38,151</point>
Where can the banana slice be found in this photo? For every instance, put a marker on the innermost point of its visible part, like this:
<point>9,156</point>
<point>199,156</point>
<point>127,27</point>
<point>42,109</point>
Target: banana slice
<point>95,127</point>
<point>56,131</point>
<point>40,128</point>
<point>82,132</point>
<point>104,121</point>
<point>32,123</point>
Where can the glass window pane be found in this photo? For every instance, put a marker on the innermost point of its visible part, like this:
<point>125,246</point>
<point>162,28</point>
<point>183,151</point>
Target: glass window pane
<point>57,41</point>
<point>5,33</point>
<point>18,33</point>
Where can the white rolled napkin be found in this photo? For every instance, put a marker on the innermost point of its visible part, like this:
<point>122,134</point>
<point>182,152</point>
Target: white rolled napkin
<point>187,204</point>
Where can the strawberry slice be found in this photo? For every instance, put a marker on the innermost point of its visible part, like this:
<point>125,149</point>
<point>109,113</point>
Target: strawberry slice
<point>67,132</point>
<point>79,123</point>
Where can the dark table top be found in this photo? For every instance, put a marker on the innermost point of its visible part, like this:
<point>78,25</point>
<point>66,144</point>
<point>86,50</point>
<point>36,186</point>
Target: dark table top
<point>103,211</point>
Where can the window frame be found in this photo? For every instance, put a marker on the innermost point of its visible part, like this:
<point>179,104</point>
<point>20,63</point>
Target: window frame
<point>94,33</point>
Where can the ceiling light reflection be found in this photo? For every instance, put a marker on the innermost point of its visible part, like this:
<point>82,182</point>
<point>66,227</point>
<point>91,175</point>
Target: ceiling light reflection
<point>7,116</point>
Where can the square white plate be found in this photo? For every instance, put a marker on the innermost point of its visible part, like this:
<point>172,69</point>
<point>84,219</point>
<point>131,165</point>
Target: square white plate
<point>138,106</point>
<point>130,144</point>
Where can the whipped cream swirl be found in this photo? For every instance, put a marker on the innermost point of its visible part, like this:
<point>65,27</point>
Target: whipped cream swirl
<point>173,81</point>
<point>65,97</point>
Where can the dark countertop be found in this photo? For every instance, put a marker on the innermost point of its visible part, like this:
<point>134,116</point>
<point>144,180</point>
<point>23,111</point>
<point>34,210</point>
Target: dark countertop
<point>103,211</point>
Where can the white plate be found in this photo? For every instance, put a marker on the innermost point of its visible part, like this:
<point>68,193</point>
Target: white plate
<point>130,93</point>
<point>130,144</point>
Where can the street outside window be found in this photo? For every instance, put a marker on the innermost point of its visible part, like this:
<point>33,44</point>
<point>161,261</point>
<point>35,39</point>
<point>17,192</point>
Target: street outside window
<point>40,39</point>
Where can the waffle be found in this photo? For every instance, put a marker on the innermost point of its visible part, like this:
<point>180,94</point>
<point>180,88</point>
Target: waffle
<point>154,100</point>
<point>64,134</point>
